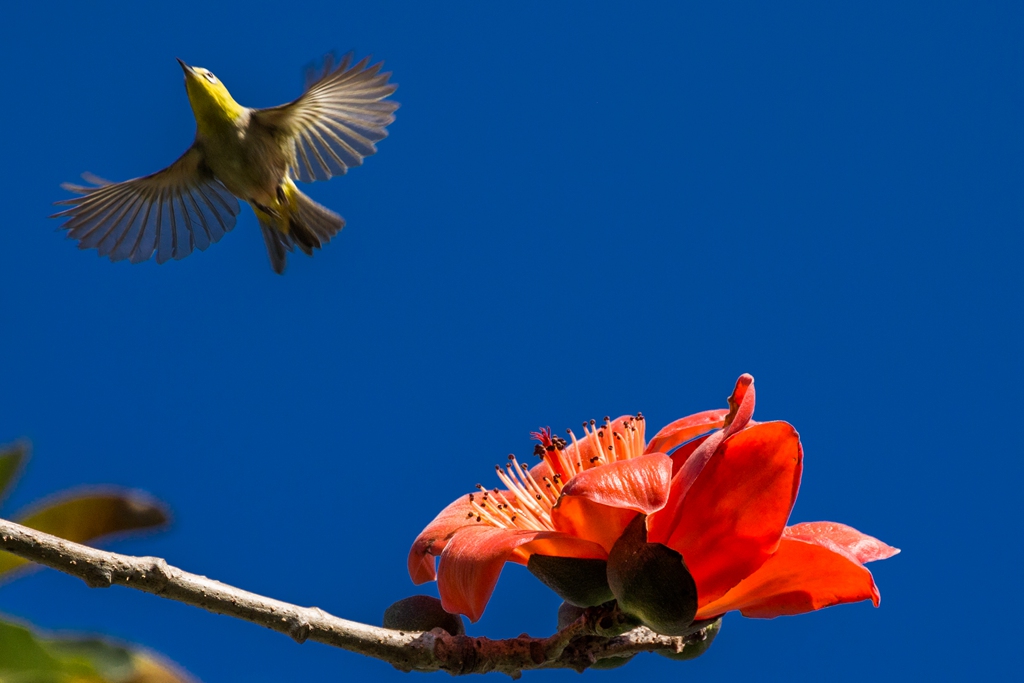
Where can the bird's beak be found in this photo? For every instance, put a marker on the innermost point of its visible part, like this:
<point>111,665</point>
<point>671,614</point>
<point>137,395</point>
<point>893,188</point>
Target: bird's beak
<point>186,68</point>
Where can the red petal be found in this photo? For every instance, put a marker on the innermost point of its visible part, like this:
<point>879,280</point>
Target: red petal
<point>432,540</point>
<point>731,519</point>
<point>741,404</point>
<point>741,408</point>
<point>842,539</point>
<point>473,559</point>
<point>639,484</point>
<point>684,429</point>
<point>683,453</point>
<point>598,503</point>
<point>802,576</point>
<point>592,521</point>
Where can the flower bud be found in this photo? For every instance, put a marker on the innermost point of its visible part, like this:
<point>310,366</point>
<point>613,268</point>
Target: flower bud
<point>422,613</point>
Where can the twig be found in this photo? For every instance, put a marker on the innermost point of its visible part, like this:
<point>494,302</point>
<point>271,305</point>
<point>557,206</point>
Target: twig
<point>577,646</point>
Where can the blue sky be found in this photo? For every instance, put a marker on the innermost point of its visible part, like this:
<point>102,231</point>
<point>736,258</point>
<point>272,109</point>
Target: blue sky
<point>581,210</point>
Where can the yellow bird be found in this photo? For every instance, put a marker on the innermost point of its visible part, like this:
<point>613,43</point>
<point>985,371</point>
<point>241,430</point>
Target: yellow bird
<point>253,154</point>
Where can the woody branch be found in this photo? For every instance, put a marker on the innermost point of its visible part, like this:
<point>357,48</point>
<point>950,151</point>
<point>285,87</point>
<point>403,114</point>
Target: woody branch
<point>589,639</point>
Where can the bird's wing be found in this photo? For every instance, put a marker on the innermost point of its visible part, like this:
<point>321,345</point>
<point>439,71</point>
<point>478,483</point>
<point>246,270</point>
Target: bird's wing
<point>169,213</point>
<point>336,121</point>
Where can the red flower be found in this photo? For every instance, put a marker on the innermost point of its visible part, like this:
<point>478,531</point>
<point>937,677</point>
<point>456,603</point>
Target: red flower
<point>720,499</point>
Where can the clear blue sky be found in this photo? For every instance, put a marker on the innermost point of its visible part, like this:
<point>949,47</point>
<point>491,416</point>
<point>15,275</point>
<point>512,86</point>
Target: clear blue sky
<point>580,211</point>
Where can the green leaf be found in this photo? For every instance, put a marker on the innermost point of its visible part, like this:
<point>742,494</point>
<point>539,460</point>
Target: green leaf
<point>84,517</point>
<point>582,582</point>
<point>20,653</point>
<point>422,613</point>
<point>149,670</point>
<point>27,657</point>
<point>12,460</point>
<point>651,581</point>
<point>110,662</point>
<point>24,657</point>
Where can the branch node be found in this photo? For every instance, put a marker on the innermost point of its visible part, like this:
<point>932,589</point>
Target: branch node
<point>157,571</point>
<point>98,577</point>
<point>538,652</point>
<point>298,629</point>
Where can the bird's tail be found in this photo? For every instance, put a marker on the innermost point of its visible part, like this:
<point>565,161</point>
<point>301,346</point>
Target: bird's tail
<point>303,223</point>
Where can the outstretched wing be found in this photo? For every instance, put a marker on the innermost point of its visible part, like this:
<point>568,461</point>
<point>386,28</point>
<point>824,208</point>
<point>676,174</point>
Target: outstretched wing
<point>169,213</point>
<point>336,121</point>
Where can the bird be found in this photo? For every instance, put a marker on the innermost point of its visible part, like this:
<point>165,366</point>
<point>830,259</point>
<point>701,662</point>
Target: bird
<point>255,155</point>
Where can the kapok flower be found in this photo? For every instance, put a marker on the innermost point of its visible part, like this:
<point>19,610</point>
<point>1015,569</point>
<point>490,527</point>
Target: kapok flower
<point>715,487</point>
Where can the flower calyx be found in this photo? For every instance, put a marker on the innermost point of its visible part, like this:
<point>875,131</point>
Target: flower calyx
<point>651,582</point>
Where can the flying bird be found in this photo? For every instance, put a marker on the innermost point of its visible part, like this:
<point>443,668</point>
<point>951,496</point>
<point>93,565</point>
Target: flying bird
<point>255,155</point>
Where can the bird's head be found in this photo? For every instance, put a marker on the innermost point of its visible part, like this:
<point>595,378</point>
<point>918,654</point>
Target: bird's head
<point>211,101</point>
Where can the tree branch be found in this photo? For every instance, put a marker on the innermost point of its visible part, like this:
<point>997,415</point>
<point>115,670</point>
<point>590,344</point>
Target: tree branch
<point>589,639</point>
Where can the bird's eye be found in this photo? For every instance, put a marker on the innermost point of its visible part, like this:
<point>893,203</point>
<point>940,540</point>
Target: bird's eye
<point>210,77</point>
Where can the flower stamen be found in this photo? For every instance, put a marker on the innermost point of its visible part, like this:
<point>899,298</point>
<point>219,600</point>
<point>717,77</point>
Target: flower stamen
<point>529,499</point>
<point>526,504</point>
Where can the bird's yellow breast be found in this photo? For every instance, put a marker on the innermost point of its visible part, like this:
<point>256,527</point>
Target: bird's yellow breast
<point>247,158</point>
<point>214,108</point>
